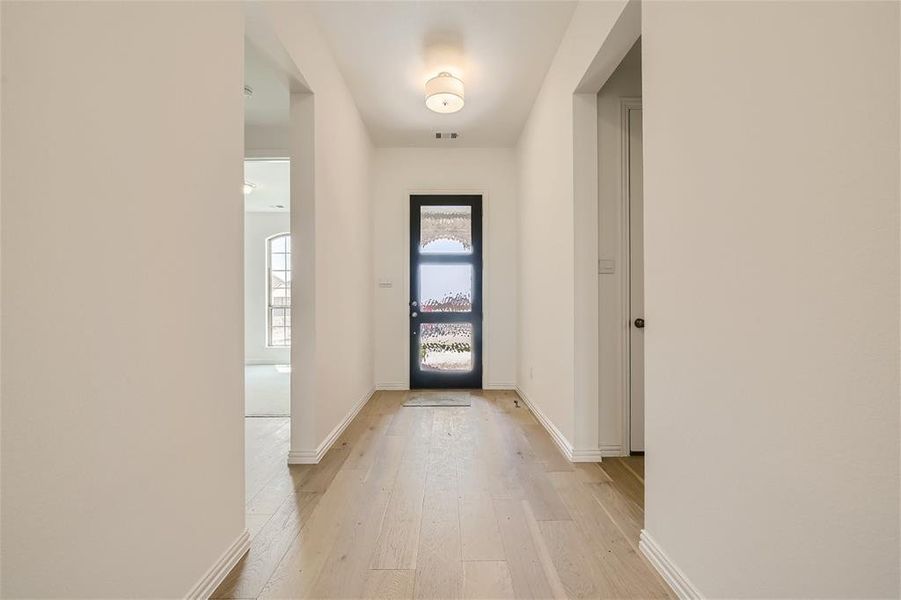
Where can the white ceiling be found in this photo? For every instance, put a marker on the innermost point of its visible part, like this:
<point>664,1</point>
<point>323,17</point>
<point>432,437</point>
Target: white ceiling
<point>387,50</point>
<point>272,185</point>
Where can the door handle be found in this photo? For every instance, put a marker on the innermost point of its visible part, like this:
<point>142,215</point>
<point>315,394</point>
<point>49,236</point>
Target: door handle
<point>639,323</point>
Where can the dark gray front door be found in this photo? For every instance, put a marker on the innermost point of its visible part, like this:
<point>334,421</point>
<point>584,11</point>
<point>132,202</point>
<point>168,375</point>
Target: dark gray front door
<point>445,292</point>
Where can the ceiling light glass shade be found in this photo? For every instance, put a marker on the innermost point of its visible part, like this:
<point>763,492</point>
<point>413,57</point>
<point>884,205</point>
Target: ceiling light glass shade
<point>444,93</point>
<point>248,187</point>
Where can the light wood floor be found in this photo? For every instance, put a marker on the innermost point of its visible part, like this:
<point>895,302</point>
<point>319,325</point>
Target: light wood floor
<point>457,502</point>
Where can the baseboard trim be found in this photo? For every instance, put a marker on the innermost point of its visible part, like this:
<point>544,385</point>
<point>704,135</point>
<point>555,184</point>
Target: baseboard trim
<point>267,416</point>
<point>673,576</point>
<point>562,443</point>
<point>304,457</point>
<point>312,457</point>
<point>392,386</point>
<point>612,450</point>
<point>590,455</point>
<point>389,386</point>
<point>204,588</point>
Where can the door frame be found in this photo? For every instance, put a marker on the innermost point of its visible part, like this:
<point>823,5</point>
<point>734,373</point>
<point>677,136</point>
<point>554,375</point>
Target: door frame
<point>426,379</point>
<point>626,104</point>
<point>486,249</point>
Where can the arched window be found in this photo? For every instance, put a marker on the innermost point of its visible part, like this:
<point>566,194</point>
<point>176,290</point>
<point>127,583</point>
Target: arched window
<point>278,256</point>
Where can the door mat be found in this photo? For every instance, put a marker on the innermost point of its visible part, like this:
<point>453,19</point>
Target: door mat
<point>439,399</point>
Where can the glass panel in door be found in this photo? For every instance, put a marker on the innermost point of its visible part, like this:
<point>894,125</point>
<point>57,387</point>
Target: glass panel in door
<point>445,292</point>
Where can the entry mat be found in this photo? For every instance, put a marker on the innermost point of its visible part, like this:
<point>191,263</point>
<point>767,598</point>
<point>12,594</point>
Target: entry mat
<point>439,399</point>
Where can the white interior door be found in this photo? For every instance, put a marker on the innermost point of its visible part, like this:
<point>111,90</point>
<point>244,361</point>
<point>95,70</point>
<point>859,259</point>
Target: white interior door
<point>636,284</point>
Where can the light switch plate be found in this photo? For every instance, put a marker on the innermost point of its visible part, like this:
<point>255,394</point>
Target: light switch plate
<point>606,266</point>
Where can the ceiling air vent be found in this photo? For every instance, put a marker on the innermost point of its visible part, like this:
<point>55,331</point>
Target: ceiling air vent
<point>446,135</point>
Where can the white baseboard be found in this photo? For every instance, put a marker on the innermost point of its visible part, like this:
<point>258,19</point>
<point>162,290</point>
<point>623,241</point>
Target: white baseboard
<point>392,386</point>
<point>562,443</point>
<point>204,588</point>
<point>612,450</point>
<point>673,576</point>
<point>588,455</point>
<point>506,387</point>
<point>313,456</point>
<point>399,385</point>
<point>304,457</point>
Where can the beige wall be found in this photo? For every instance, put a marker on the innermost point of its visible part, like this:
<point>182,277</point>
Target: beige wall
<point>122,440</point>
<point>558,236</point>
<point>772,277</point>
<point>625,82</point>
<point>398,172</point>
<point>266,141</point>
<point>331,213</point>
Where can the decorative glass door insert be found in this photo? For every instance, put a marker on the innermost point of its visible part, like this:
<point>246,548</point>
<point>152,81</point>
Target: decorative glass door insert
<point>445,292</point>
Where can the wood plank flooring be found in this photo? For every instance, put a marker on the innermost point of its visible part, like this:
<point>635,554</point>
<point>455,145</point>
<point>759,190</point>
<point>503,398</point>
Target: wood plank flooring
<point>440,502</point>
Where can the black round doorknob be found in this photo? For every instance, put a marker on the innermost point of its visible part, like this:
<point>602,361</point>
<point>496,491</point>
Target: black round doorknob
<point>639,323</point>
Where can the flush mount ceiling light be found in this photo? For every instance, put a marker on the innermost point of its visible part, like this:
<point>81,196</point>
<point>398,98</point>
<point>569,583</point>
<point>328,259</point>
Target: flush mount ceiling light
<point>248,187</point>
<point>444,93</point>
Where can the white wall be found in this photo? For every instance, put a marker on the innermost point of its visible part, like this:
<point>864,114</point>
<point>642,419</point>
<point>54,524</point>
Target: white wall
<point>772,277</point>
<point>331,212</point>
<point>398,172</point>
<point>558,237</point>
<point>625,82</point>
<point>266,142</point>
<point>258,227</point>
<point>122,441</point>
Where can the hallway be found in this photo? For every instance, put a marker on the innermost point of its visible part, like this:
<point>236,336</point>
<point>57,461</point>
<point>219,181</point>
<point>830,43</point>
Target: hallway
<point>671,225</point>
<point>472,502</point>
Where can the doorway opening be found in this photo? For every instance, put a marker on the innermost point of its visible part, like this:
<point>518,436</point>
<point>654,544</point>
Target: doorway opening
<point>267,288</point>
<point>267,275</point>
<point>621,259</point>
<point>445,291</point>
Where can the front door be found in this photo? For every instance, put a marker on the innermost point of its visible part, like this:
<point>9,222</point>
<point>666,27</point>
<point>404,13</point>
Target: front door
<point>445,292</point>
